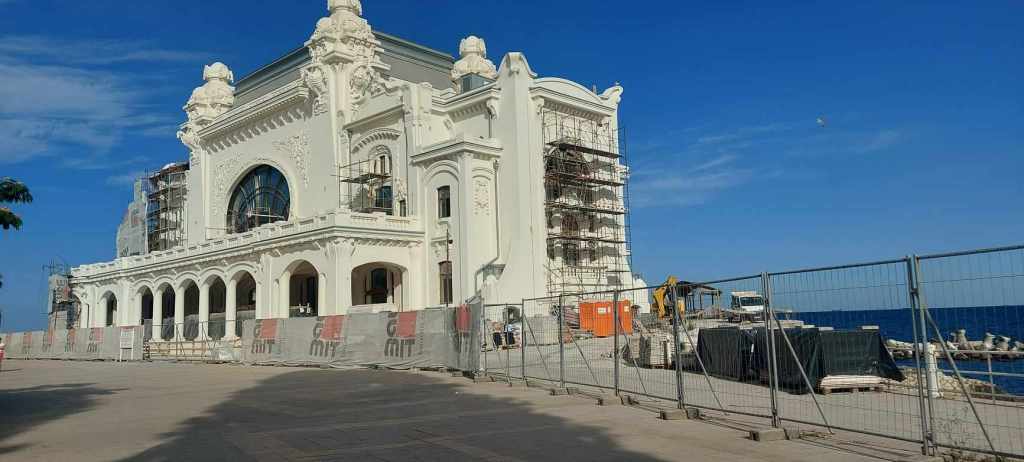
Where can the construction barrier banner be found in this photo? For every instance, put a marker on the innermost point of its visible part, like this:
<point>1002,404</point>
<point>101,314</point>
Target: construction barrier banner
<point>442,337</point>
<point>82,344</point>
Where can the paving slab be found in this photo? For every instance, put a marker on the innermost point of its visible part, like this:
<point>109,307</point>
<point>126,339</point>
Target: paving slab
<point>85,411</point>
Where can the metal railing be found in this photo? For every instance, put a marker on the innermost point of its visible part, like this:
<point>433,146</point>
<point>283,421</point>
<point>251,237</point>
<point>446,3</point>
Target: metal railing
<point>194,340</point>
<point>923,349</point>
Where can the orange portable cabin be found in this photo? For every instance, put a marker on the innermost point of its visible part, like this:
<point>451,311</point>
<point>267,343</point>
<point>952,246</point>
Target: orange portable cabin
<point>597,317</point>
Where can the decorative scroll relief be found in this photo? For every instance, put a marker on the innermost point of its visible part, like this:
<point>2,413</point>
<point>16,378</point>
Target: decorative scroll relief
<point>227,170</point>
<point>315,79</point>
<point>297,149</point>
<point>481,196</point>
<point>190,139</point>
<point>443,250</point>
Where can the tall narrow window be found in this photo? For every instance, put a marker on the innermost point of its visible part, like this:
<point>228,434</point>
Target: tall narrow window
<point>378,292</point>
<point>444,202</point>
<point>445,271</point>
<point>570,254</point>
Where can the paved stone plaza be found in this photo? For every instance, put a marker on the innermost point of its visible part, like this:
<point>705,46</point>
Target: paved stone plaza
<point>80,411</point>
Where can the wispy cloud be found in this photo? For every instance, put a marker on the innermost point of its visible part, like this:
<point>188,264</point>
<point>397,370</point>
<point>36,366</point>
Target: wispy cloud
<point>878,141</point>
<point>125,179</point>
<point>680,187</point>
<point>708,162</point>
<point>93,51</point>
<point>743,133</point>
<point>62,97</point>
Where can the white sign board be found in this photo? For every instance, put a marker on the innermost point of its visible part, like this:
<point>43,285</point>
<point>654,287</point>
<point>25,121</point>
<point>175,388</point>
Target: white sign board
<point>128,338</point>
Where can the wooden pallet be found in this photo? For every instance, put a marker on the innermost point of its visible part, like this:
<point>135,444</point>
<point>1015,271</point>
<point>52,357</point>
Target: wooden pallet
<point>849,389</point>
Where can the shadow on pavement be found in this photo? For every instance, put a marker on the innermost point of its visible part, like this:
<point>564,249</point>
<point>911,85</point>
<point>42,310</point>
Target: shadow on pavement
<point>24,408</point>
<point>379,415</point>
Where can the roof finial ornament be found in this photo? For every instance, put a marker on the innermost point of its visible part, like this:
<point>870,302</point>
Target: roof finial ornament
<point>473,51</point>
<point>213,98</point>
<point>354,6</point>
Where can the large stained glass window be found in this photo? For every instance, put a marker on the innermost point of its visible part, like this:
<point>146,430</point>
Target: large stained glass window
<point>260,198</point>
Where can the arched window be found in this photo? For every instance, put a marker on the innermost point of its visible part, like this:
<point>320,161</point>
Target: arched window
<point>261,197</point>
<point>382,163</point>
<point>383,193</point>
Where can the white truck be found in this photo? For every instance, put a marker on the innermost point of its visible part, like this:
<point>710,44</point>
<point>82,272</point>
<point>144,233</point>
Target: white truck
<point>746,305</point>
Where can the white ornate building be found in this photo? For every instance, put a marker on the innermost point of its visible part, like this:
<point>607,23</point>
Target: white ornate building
<point>365,171</point>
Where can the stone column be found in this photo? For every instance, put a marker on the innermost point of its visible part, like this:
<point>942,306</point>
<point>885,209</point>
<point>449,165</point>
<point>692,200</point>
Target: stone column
<point>179,313</point>
<point>204,310</point>
<point>230,309</point>
<point>158,314</point>
<point>284,287</point>
<point>321,295</point>
<point>100,320</point>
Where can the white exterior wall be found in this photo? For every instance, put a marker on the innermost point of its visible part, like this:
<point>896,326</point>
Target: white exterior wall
<point>485,144</point>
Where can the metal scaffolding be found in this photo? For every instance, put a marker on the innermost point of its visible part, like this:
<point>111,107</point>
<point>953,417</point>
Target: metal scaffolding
<point>165,215</point>
<point>585,203</point>
<point>370,186</point>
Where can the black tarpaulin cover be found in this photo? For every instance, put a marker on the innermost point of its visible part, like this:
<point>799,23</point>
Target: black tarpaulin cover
<point>742,355</point>
<point>727,352</point>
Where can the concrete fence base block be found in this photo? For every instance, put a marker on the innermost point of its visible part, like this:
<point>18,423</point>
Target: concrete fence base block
<point>768,434</point>
<point>518,383</point>
<point>609,401</point>
<point>627,400</point>
<point>483,379</point>
<point>535,384</point>
<point>672,414</point>
<point>572,390</point>
<point>457,374</point>
<point>792,433</point>
<point>692,413</point>
<point>920,458</point>
<point>559,391</point>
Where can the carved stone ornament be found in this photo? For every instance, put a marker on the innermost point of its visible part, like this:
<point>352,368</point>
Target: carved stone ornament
<point>315,79</point>
<point>214,98</point>
<point>297,149</point>
<point>365,82</point>
<point>481,197</point>
<point>473,53</point>
<point>343,32</point>
<point>401,191</point>
<point>189,136</point>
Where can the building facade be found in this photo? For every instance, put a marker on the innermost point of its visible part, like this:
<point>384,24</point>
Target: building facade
<point>364,172</point>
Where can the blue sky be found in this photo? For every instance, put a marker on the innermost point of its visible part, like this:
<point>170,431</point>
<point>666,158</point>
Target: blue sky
<point>923,149</point>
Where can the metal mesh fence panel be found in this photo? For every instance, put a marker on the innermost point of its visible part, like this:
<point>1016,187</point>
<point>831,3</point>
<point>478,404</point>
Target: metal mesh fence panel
<point>646,356</point>
<point>588,353</point>
<point>833,330</point>
<point>542,337</point>
<point>973,312</point>
<point>502,340</point>
<point>717,346</point>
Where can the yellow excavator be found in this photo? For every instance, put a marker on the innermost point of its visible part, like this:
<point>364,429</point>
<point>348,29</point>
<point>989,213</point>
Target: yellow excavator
<point>661,302</point>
